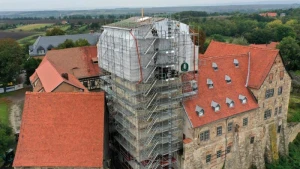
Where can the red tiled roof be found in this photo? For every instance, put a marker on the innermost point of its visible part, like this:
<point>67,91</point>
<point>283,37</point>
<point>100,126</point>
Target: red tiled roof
<point>272,45</point>
<point>270,14</point>
<point>61,130</point>
<point>77,61</point>
<point>221,89</point>
<point>261,59</point>
<point>51,76</point>
<point>187,141</point>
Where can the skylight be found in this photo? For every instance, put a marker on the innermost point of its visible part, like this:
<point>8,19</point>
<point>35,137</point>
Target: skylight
<point>210,83</point>
<point>215,66</point>
<point>227,79</point>
<point>229,102</point>
<point>243,99</point>
<point>199,111</point>
<point>216,106</point>
<point>236,62</point>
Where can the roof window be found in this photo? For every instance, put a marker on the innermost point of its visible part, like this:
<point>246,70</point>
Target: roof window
<point>216,106</point>
<point>236,63</point>
<point>229,102</point>
<point>210,84</point>
<point>215,66</point>
<point>243,99</point>
<point>194,85</point>
<point>199,111</point>
<point>227,79</point>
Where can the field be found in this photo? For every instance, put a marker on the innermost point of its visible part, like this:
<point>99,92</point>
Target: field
<point>32,27</point>
<point>294,109</point>
<point>4,112</point>
<point>14,35</point>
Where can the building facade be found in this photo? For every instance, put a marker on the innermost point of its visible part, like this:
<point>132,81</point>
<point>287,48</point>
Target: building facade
<point>246,128</point>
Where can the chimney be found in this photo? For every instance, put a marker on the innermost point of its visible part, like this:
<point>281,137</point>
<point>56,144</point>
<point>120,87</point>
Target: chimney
<point>65,76</point>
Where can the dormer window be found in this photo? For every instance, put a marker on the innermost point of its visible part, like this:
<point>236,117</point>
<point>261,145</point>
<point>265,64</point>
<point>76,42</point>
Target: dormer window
<point>243,99</point>
<point>194,85</point>
<point>215,66</point>
<point>227,79</point>
<point>236,63</point>
<point>210,84</point>
<point>229,102</point>
<point>215,106</point>
<point>199,111</point>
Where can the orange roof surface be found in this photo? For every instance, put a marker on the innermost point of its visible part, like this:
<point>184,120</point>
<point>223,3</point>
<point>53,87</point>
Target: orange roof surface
<point>61,130</point>
<point>270,14</point>
<point>51,77</point>
<point>260,63</point>
<point>221,89</point>
<point>77,61</point>
<point>272,45</point>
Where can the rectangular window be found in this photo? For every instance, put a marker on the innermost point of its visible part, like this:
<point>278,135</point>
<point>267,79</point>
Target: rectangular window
<point>281,75</point>
<point>204,136</point>
<point>85,84</point>
<point>279,129</point>
<point>228,149</point>
<point>280,110</point>
<point>219,130</point>
<point>269,93</point>
<point>276,110</point>
<point>280,90</point>
<point>92,83</point>
<point>208,158</point>
<point>251,140</point>
<point>219,153</point>
<point>268,114</point>
<point>230,126</point>
<point>270,77</point>
<point>245,121</point>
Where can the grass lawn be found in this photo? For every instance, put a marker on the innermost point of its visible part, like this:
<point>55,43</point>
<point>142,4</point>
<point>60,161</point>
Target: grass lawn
<point>4,112</point>
<point>294,109</point>
<point>30,39</point>
<point>32,27</point>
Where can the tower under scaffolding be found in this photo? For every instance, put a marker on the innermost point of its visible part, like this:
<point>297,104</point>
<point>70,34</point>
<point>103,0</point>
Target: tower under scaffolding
<point>151,65</point>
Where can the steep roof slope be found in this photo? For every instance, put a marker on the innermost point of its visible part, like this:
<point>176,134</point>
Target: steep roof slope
<point>61,130</point>
<point>260,63</point>
<point>51,77</point>
<point>77,61</point>
<point>221,89</point>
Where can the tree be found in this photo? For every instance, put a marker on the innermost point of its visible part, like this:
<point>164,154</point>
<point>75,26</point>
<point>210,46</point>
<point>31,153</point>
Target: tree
<point>240,41</point>
<point>260,36</point>
<point>95,26</point>
<point>81,42</point>
<point>290,52</point>
<point>6,138</point>
<point>11,57</point>
<point>68,43</point>
<point>283,31</point>
<point>54,32</point>
<point>218,37</point>
<point>30,65</point>
<point>274,23</point>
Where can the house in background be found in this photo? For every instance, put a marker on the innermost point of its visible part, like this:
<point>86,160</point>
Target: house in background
<point>48,78</point>
<point>80,64</point>
<point>269,14</point>
<point>63,130</point>
<point>45,43</point>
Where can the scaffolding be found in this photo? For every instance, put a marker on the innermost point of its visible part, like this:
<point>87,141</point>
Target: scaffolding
<point>145,88</point>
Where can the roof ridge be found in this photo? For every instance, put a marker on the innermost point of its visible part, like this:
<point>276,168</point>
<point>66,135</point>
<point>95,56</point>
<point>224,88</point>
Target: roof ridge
<point>253,47</point>
<point>65,93</point>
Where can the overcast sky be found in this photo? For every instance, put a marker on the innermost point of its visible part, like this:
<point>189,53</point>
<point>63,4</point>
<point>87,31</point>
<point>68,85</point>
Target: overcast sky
<point>100,4</point>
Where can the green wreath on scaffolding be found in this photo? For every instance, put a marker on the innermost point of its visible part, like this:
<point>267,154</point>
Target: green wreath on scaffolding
<point>184,67</point>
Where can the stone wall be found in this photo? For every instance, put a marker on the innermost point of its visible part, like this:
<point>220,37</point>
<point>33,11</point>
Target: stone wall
<point>293,130</point>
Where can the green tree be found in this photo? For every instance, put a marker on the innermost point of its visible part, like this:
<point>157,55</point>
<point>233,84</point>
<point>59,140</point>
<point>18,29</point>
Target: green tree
<point>290,52</point>
<point>283,31</point>
<point>218,37</point>
<point>240,41</point>
<point>260,36</point>
<point>11,57</point>
<point>95,26</point>
<point>68,43</point>
<point>30,65</point>
<point>54,32</point>
<point>6,138</point>
<point>81,42</point>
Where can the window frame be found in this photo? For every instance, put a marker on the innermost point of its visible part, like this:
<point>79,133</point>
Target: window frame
<point>245,121</point>
<point>219,153</point>
<point>208,158</point>
<point>280,90</point>
<point>252,139</point>
<point>219,131</point>
<point>279,129</point>
<point>204,136</point>
<point>228,149</point>
<point>269,93</point>
<point>229,126</point>
<point>267,114</point>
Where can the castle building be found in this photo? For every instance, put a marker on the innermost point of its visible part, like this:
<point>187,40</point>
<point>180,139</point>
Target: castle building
<point>239,116</point>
